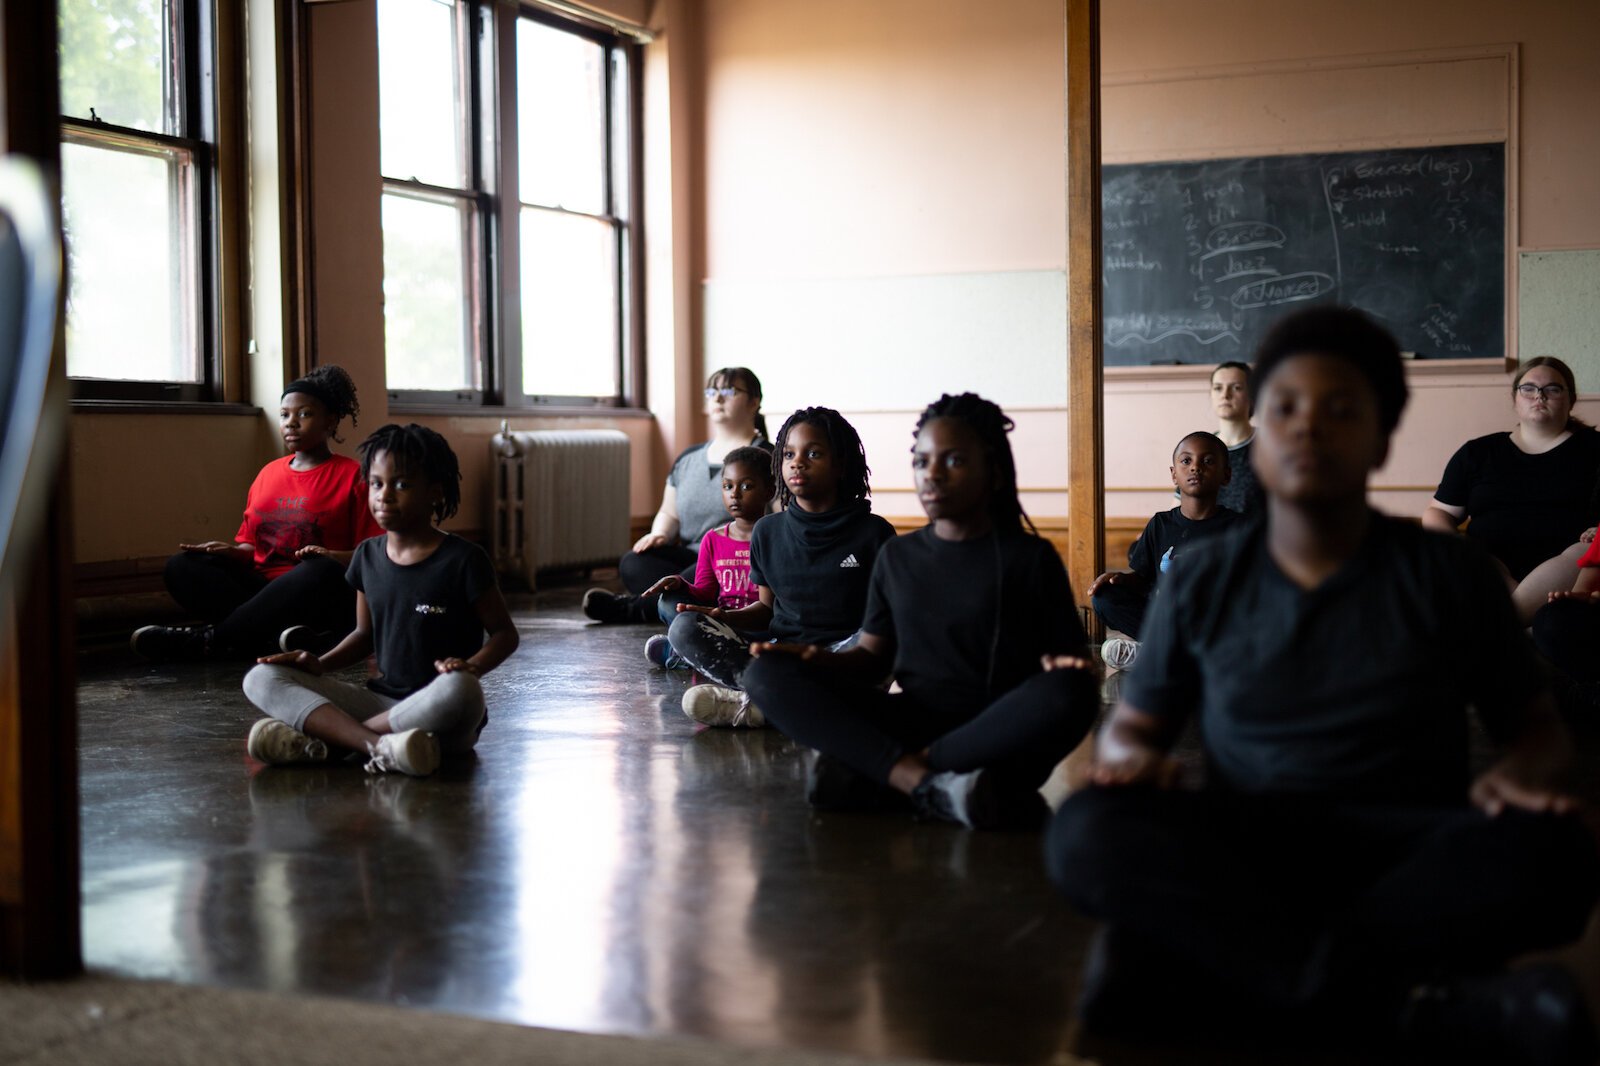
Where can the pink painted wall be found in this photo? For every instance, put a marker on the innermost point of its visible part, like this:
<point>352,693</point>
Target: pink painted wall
<point>900,139</point>
<point>884,138</point>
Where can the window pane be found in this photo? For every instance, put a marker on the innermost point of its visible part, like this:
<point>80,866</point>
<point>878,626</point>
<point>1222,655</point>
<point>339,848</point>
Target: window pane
<point>561,131</point>
<point>621,94</point>
<point>419,89</point>
<point>117,59</point>
<point>425,294</point>
<point>129,217</point>
<point>569,305</point>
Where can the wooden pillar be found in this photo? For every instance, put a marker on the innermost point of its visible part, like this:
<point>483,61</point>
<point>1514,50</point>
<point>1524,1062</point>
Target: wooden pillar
<point>39,896</point>
<point>1086,517</point>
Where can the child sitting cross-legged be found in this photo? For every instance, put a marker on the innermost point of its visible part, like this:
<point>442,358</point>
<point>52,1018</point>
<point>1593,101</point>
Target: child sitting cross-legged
<point>809,564</point>
<point>424,600</point>
<point>1347,868</point>
<point>1199,471</point>
<point>722,567</point>
<point>966,610</point>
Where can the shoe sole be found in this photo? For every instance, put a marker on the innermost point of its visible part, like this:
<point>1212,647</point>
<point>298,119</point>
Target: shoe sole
<point>265,724</point>
<point>422,754</point>
<point>133,641</point>
<point>714,704</point>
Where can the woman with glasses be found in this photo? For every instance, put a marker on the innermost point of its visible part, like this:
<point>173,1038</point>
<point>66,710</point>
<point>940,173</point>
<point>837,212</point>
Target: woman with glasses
<point>691,503</point>
<point>1529,494</point>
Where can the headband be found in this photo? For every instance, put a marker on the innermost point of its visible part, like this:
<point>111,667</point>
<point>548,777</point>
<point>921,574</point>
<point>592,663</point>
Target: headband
<point>312,388</point>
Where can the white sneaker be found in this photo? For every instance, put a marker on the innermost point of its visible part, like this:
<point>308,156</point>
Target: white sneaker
<point>279,744</point>
<point>715,705</point>
<point>412,752</point>
<point>1119,653</point>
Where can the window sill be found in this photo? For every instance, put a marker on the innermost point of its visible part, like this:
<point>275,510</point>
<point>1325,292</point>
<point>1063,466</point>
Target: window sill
<point>162,407</point>
<point>542,411</point>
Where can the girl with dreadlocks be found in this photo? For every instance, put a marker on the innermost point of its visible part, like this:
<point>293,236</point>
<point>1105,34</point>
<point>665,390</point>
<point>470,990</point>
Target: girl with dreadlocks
<point>809,564</point>
<point>303,516</point>
<point>966,610</point>
<point>424,600</point>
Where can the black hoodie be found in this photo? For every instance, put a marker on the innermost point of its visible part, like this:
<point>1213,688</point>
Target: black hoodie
<point>818,567</point>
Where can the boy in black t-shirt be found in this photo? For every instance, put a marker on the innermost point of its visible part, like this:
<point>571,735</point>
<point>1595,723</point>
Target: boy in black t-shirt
<point>1199,471</point>
<point>1340,864</point>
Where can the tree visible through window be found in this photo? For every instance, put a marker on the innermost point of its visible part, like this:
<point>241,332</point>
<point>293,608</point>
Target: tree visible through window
<point>507,274</point>
<point>136,167</point>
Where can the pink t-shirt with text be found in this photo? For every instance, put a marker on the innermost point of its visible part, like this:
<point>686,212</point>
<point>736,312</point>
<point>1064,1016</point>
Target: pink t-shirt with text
<point>723,570</point>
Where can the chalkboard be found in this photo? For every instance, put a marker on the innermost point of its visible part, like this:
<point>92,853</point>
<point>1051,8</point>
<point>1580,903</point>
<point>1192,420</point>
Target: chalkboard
<point>1201,258</point>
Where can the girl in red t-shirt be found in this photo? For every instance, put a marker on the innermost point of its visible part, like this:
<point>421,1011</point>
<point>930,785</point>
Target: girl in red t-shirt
<point>280,581</point>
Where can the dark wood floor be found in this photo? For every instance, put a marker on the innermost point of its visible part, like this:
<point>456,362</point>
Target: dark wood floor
<point>602,864</point>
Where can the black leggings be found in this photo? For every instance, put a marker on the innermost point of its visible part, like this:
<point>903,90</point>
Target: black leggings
<point>1122,607</point>
<point>1020,737</point>
<point>249,611</point>
<point>1566,632</point>
<point>1288,899</point>
<point>642,569</point>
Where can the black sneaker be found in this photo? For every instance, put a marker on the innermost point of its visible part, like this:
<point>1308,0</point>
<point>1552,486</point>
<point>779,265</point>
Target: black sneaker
<point>966,799</point>
<point>611,608</point>
<point>304,638</point>
<point>833,786</point>
<point>1534,1015</point>
<point>172,643</point>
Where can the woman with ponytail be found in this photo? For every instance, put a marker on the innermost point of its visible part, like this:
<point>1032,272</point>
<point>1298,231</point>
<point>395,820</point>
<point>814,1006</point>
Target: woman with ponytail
<point>279,584</point>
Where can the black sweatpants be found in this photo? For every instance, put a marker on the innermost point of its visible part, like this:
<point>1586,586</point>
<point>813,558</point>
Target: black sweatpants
<point>640,570</point>
<point>1291,900</point>
<point>1122,607</point>
<point>1020,737</point>
<point>1567,632</point>
<point>249,611</point>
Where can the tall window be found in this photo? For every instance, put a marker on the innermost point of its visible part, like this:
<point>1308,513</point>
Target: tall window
<point>139,197</point>
<point>509,243</point>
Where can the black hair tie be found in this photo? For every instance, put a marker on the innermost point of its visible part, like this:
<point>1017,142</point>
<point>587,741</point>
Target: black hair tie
<point>312,388</point>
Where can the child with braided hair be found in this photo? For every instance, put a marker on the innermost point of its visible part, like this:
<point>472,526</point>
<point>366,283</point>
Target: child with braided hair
<point>280,582</point>
<point>996,686</point>
<point>427,606</point>
<point>809,564</point>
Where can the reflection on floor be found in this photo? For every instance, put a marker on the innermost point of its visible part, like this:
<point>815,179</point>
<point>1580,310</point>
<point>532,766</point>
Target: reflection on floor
<point>602,864</point>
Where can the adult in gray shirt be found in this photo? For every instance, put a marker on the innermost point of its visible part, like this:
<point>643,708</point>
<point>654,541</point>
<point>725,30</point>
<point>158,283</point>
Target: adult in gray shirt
<point>691,503</point>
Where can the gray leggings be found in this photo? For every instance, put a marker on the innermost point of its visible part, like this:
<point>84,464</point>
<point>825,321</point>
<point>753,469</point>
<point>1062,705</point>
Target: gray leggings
<point>450,706</point>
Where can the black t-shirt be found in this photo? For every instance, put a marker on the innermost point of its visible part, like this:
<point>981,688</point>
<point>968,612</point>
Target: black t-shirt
<point>970,619</point>
<point>423,612</point>
<point>1170,531</point>
<point>818,567</point>
<point>1524,508</point>
<point>1357,688</point>
<point>1243,492</point>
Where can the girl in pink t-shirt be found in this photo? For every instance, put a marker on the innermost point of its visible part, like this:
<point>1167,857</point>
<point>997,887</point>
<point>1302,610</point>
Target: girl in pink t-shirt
<point>722,572</point>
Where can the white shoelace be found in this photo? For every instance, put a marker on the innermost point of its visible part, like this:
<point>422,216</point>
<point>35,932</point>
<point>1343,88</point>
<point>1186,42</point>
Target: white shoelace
<point>379,760</point>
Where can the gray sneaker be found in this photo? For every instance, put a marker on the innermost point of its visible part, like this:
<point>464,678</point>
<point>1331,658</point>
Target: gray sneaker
<point>1119,653</point>
<point>716,705</point>
<point>278,744</point>
<point>412,752</point>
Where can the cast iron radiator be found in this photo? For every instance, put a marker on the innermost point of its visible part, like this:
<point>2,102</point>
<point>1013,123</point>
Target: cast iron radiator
<point>560,500</point>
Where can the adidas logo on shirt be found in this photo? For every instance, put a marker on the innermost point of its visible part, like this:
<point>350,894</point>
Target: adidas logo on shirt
<point>849,560</point>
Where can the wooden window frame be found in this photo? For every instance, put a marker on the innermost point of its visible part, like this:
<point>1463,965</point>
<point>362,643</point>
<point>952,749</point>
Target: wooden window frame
<point>490,133</point>
<point>213,136</point>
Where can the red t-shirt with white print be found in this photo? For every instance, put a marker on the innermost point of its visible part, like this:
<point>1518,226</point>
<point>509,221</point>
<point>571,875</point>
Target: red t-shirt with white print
<point>289,509</point>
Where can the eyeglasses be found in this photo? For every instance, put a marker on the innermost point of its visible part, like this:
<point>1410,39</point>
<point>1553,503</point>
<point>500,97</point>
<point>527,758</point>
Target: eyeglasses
<point>1553,391</point>
<point>726,392</point>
